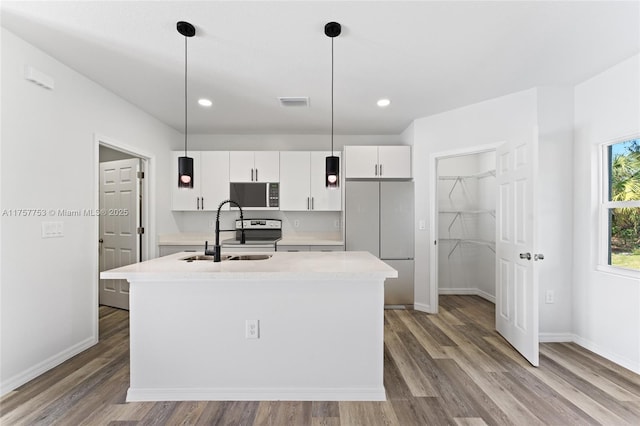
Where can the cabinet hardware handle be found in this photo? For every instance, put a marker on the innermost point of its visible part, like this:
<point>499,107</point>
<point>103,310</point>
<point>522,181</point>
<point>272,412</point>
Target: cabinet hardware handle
<point>202,203</point>
<point>376,170</point>
<point>538,256</point>
<point>256,175</point>
<point>251,175</point>
<point>198,203</point>
<point>525,256</point>
<point>312,200</point>
<point>308,203</point>
<point>380,169</point>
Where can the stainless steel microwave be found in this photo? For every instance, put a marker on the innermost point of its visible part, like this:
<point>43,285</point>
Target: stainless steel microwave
<point>256,195</point>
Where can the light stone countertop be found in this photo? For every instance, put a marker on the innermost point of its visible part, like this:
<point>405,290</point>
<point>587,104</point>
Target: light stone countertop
<point>282,266</point>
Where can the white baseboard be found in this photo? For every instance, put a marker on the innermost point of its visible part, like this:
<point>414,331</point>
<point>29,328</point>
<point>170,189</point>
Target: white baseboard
<point>555,337</point>
<point>258,394</point>
<point>46,365</point>
<point>468,292</point>
<point>620,360</point>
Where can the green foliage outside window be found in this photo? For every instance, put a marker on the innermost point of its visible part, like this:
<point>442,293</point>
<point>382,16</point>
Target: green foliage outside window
<point>624,186</point>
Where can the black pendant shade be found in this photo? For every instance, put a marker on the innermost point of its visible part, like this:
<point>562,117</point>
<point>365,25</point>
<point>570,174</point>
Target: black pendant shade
<point>332,167</point>
<point>185,164</point>
<point>332,164</point>
<point>185,172</point>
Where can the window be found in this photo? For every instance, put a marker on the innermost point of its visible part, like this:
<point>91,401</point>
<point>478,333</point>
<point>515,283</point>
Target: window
<point>621,204</point>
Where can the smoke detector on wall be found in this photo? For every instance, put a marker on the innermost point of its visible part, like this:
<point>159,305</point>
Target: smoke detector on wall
<point>294,101</point>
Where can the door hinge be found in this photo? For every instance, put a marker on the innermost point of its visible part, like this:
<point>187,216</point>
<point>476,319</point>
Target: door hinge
<point>140,175</point>
<point>140,230</point>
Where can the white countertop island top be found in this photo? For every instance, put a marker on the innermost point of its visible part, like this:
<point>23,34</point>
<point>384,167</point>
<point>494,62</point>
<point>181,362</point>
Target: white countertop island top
<point>282,265</point>
<point>298,326</point>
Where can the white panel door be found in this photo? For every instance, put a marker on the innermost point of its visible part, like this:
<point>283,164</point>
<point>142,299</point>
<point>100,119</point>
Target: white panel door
<point>516,275</point>
<point>294,181</point>
<point>394,161</point>
<point>214,179</point>
<point>118,224</point>
<point>323,198</point>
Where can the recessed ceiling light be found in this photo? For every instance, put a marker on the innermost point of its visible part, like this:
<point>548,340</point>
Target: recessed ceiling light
<point>383,102</point>
<point>205,102</point>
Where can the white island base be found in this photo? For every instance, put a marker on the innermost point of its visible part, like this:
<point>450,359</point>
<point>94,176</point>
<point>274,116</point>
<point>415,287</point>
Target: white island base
<point>320,333</point>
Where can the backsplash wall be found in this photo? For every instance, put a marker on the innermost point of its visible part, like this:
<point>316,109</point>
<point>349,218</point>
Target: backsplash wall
<point>292,222</point>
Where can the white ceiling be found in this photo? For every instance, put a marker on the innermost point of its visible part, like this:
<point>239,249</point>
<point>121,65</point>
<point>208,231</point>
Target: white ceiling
<point>426,56</point>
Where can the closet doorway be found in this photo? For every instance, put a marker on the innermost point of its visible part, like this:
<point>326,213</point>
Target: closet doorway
<point>464,215</point>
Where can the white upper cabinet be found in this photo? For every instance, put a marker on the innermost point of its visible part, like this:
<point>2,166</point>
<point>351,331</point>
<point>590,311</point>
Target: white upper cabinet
<point>210,181</point>
<point>323,198</point>
<point>254,166</point>
<point>378,162</point>
<point>302,182</point>
<point>394,161</point>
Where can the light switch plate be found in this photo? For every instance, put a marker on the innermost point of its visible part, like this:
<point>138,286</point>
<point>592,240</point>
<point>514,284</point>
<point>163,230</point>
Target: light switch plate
<point>52,229</point>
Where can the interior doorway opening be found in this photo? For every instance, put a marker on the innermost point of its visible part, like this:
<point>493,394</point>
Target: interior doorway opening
<point>464,212</point>
<point>121,219</point>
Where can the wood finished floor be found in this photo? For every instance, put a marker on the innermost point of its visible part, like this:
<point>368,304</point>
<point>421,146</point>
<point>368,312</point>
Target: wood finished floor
<point>451,368</point>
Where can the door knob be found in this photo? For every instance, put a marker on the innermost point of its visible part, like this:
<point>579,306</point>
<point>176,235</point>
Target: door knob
<point>525,256</point>
<point>101,241</point>
<point>538,256</point>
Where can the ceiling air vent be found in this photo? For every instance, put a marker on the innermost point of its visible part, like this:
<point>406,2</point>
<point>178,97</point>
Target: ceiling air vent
<point>294,101</point>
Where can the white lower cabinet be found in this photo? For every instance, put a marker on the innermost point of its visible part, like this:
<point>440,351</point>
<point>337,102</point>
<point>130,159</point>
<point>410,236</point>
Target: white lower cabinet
<point>322,247</point>
<point>210,181</point>
<point>302,182</point>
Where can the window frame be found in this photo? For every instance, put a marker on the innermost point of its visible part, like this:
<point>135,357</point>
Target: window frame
<point>604,206</point>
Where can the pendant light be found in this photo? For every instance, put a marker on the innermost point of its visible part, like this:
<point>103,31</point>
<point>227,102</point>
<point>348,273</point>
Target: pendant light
<point>185,164</point>
<point>332,163</point>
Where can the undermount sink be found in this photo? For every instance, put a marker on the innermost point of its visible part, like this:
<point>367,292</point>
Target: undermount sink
<point>228,257</point>
<point>250,257</point>
<point>203,257</point>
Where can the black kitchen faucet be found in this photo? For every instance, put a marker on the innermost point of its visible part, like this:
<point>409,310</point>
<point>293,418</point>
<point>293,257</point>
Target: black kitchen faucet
<point>216,247</point>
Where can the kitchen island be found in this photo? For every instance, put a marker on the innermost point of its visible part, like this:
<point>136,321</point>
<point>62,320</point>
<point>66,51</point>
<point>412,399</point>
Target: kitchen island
<point>296,326</point>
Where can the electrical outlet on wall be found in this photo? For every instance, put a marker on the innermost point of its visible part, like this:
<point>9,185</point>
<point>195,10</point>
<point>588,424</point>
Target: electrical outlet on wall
<point>549,296</point>
<point>252,329</point>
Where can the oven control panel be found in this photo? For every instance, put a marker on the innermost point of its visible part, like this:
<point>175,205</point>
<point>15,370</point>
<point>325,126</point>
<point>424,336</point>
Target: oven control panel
<point>259,224</point>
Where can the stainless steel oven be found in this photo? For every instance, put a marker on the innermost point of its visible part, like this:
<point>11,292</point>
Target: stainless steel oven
<point>261,235</point>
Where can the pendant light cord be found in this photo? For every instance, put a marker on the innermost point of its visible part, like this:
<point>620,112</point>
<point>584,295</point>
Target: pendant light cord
<point>332,96</point>
<point>185,96</point>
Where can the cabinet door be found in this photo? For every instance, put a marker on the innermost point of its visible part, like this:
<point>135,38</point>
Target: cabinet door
<point>241,166</point>
<point>267,166</point>
<point>399,291</point>
<point>186,199</point>
<point>214,179</point>
<point>394,161</point>
<point>294,180</point>
<point>323,198</point>
<point>361,161</point>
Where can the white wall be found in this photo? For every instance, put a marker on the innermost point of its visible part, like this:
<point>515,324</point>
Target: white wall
<point>479,125</point>
<point>606,306</point>
<point>511,117</point>
<point>49,286</point>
